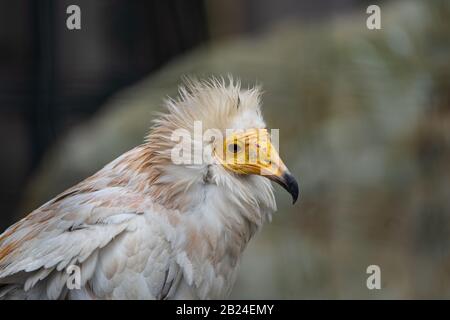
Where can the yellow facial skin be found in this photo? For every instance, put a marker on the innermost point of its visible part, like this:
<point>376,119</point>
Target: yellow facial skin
<point>252,152</point>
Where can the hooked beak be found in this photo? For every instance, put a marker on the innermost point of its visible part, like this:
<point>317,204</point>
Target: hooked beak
<point>253,153</point>
<point>288,182</point>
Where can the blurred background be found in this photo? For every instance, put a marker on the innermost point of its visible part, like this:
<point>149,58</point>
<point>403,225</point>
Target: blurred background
<point>364,118</point>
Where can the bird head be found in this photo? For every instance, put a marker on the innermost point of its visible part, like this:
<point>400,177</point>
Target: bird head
<point>214,135</point>
<point>251,151</point>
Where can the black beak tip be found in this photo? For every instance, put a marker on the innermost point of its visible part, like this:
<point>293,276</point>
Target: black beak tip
<point>291,186</point>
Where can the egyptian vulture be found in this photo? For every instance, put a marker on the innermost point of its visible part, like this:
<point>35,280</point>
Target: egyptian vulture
<point>152,224</point>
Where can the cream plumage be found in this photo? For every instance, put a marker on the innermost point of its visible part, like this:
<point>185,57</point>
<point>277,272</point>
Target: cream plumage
<point>146,228</point>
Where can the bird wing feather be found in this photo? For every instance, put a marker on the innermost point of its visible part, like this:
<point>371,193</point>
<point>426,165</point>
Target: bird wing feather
<point>110,233</point>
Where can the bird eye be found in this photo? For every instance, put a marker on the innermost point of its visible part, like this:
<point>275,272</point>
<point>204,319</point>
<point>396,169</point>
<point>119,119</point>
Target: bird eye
<point>234,147</point>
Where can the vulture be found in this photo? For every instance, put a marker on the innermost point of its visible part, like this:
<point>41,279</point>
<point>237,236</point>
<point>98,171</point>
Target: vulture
<point>169,219</point>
